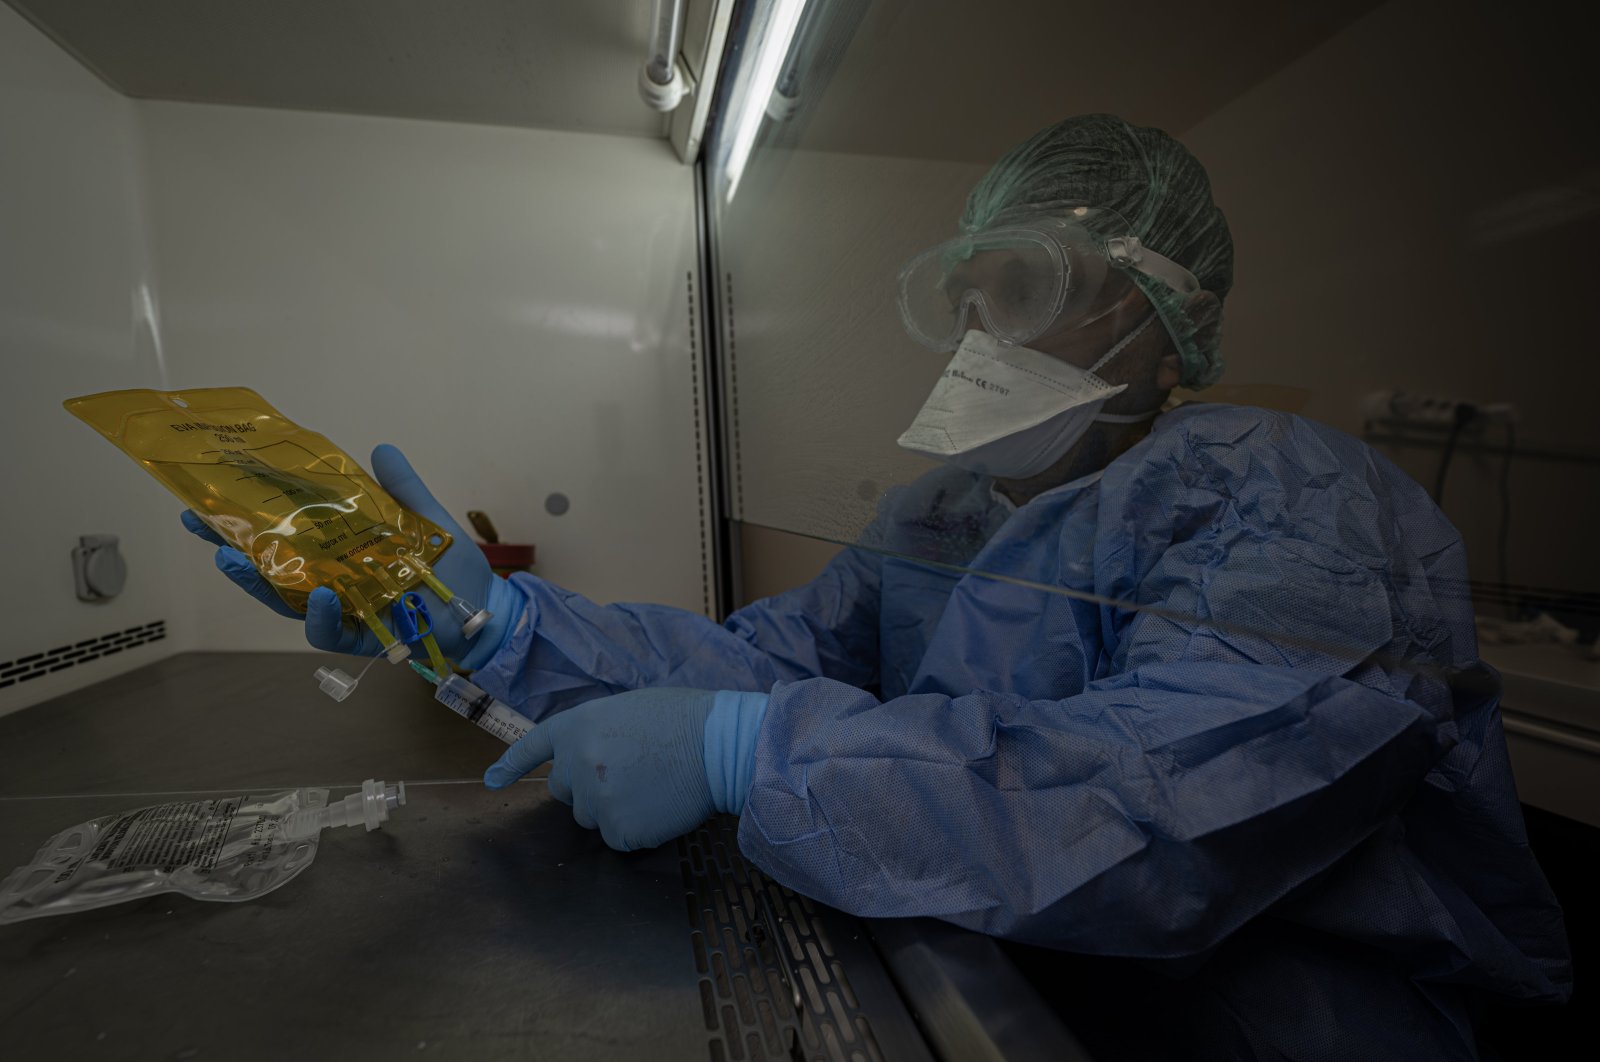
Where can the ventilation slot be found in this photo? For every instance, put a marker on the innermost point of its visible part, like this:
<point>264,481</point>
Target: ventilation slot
<point>759,948</point>
<point>28,668</point>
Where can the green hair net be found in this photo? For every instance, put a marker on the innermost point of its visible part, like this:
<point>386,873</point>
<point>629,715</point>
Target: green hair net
<point>1152,181</point>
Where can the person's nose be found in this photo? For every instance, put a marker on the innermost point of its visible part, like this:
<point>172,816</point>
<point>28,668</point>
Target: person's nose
<point>971,315</point>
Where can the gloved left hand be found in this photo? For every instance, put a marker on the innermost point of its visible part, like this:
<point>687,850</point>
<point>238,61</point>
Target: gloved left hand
<point>462,568</point>
<point>644,766</point>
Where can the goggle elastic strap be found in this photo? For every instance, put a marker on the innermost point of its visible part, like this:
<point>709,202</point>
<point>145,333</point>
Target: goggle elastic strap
<point>1128,251</point>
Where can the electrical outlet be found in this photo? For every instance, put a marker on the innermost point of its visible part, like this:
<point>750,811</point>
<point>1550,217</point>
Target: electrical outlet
<point>1434,411</point>
<point>97,568</point>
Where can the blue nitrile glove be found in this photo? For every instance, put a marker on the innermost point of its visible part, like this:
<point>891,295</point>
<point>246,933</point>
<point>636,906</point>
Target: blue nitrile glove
<point>644,766</point>
<point>462,568</point>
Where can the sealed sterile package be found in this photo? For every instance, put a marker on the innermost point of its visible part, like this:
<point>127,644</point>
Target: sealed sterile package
<point>300,508</point>
<point>230,849</point>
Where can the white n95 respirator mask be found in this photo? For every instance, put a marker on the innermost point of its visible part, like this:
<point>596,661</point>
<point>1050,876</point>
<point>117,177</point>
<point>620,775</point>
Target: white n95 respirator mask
<point>1011,411</point>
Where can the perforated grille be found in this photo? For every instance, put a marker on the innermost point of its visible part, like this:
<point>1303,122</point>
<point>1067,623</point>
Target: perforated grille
<point>35,665</point>
<point>771,986</point>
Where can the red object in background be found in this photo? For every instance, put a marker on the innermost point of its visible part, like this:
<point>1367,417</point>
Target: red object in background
<point>505,558</point>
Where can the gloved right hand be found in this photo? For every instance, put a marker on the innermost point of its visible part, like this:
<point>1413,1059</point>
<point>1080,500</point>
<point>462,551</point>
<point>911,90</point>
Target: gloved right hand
<point>462,568</point>
<point>647,765</point>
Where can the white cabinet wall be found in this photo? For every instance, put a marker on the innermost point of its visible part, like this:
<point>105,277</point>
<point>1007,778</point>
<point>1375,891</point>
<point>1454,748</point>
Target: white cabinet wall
<point>509,306</point>
<point>75,290</point>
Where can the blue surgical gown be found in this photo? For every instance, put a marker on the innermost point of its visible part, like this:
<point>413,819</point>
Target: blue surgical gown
<point>1291,734</point>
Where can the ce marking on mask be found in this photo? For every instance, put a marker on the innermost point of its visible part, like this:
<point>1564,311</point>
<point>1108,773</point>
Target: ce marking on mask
<point>976,381</point>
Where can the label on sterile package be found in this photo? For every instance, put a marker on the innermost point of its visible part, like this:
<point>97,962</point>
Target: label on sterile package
<point>167,836</point>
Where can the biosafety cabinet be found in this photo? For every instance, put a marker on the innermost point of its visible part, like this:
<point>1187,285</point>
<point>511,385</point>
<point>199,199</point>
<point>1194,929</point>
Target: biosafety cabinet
<point>622,277</point>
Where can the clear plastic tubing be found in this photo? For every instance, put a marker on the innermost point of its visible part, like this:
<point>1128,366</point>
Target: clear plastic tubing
<point>476,706</point>
<point>369,808</point>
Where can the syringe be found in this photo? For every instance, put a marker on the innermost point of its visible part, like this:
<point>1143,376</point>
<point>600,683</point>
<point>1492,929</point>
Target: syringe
<point>476,706</point>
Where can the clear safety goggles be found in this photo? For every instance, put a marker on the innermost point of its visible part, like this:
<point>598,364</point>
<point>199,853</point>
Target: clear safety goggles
<point>1025,276</point>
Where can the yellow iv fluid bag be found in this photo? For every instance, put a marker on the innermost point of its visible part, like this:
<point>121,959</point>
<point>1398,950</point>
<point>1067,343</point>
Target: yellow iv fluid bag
<point>298,506</point>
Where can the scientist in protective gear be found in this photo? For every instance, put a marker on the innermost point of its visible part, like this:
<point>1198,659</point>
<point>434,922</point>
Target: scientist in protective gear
<point>1198,688</point>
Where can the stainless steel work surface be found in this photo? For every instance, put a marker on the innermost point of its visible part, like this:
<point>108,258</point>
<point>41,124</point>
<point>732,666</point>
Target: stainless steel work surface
<point>471,925</point>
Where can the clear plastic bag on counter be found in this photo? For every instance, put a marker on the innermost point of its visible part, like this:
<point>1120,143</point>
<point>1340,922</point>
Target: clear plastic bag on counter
<point>229,849</point>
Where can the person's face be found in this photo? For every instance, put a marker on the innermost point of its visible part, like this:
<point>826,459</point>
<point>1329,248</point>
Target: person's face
<point>1149,366</point>
<point>1118,310</point>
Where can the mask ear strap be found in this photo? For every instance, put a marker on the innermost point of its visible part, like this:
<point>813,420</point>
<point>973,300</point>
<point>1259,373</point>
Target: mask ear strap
<point>1126,418</point>
<point>1123,342</point>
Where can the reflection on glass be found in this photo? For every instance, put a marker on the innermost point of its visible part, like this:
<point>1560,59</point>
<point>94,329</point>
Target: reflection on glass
<point>1185,646</point>
<point>774,37</point>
